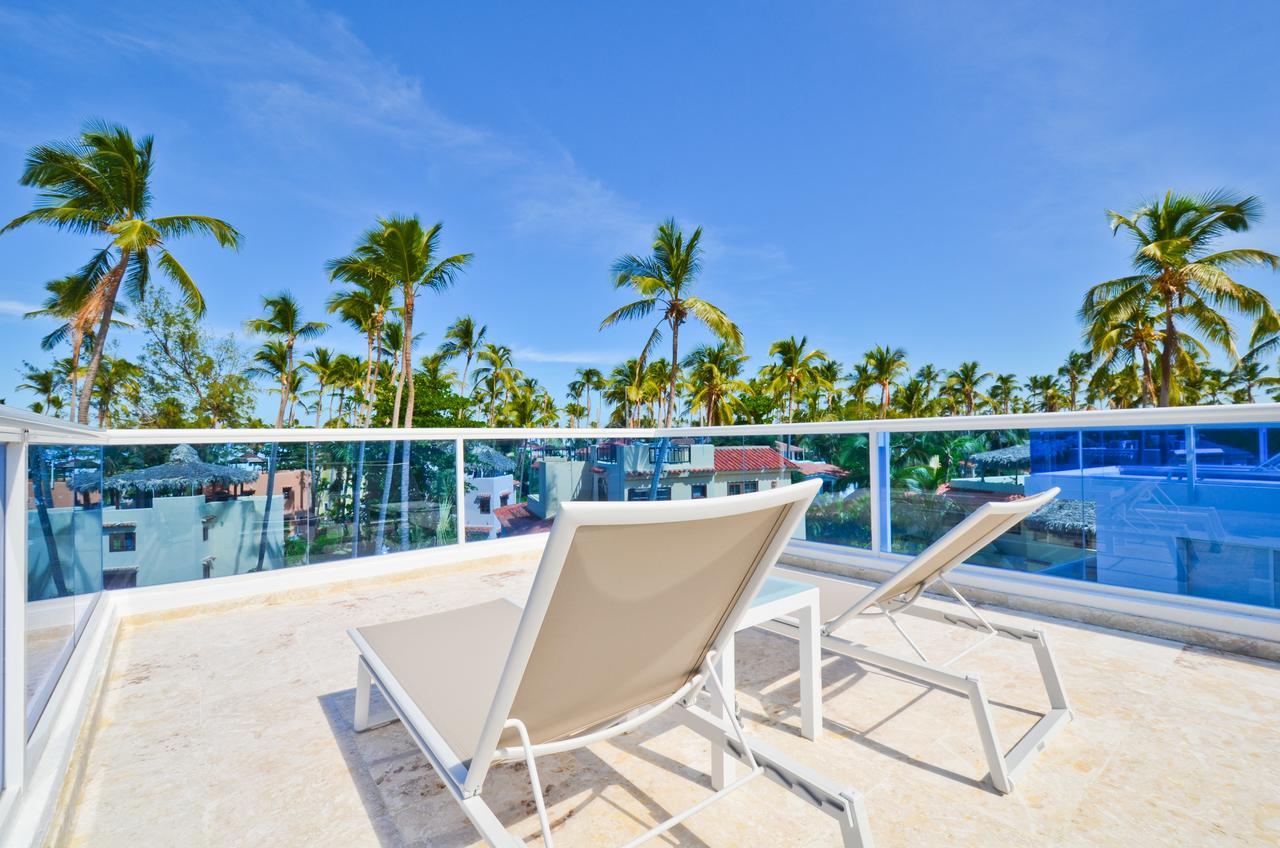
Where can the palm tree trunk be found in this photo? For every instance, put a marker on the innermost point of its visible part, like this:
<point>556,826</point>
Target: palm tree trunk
<point>77,342</point>
<point>357,483</point>
<point>462,384</point>
<point>381,534</point>
<point>111,283</point>
<point>1167,355</point>
<point>404,496</point>
<point>675,368</point>
<point>40,481</point>
<point>319,405</point>
<point>407,367</point>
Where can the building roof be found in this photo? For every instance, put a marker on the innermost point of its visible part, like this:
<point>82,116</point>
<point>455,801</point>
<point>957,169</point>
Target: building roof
<point>517,519</point>
<point>818,469</point>
<point>183,470</point>
<point>750,459</point>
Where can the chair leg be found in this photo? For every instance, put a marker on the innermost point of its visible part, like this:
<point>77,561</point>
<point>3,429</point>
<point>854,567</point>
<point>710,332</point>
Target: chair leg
<point>724,765</point>
<point>810,620</point>
<point>363,681</point>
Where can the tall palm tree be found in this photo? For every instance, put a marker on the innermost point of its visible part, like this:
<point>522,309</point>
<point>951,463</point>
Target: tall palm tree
<point>463,338</point>
<point>347,375</point>
<point>593,381</point>
<point>1043,391</point>
<point>797,369</point>
<point>283,322</point>
<point>403,253</point>
<point>966,382</point>
<point>1131,339</point>
<point>365,307</point>
<point>1181,281</point>
<point>663,280</point>
<point>915,399</point>
<point>625,389</point>
<point>1074,371</point>
<point>715,373</point>
<point>884,366</point>
<point>494,377</point>
<point>1003,392</point>
<point>436,367</point>
<point>100,183</point>
<point>73,301</point>
<point>322,364</point>
<point>272,363</point>
<point>117,378</point>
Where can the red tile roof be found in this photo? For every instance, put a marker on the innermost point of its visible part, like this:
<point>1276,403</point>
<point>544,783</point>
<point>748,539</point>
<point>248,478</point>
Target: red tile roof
<point>750,459</point>
<point>517,519</point>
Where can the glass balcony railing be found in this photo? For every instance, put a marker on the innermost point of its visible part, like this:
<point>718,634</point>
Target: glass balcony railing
<point>1184,508</point>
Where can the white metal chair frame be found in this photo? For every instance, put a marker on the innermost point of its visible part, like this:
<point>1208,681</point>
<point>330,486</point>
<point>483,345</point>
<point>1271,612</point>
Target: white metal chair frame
<point>465,780</point>
<point>898,596</point>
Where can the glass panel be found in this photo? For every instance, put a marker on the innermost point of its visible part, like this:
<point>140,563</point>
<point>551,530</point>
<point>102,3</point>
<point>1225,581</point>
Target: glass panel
<point>190,512</point>
<point>515,486</point>
<point>64,560</point>
<point>939,478</point>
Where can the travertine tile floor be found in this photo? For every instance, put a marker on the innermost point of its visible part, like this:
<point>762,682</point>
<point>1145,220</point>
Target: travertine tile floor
<point>233,728</point>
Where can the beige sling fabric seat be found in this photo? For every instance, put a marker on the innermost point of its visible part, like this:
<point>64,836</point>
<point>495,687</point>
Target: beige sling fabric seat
<point>898,594</point>
<point>630,606</point>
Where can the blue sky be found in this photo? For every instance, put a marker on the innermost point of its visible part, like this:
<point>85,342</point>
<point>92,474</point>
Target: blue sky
<point>926,175</point>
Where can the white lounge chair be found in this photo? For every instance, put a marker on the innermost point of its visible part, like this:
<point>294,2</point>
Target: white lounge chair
<point>630,606</point>
<point>898,594</point>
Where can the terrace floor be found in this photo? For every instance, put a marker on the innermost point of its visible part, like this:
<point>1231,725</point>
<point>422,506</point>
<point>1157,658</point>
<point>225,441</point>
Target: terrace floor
<point>233,727</point>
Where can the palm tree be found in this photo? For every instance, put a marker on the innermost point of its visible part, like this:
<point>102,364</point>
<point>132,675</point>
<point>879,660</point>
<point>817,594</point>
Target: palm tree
<point>271,362</point>
<point>663,281</point>
<point>1126,340</point>
<point>117,378</point>
<point>72,300</point>
<point>40,382</point>
<point>966,382</point>
<point>100,183</point>
<point>915,399</point>
<point>884,366</point>
<point>1074,371</point>
<point>401,252</point>
<point>1180,280</point>
<point>364,307</point>
<point>322,364</point>
<point>593,381</point>
<point>463,338</point>
<point>715,373</point>
<point>575,412</point>
<point>625,389</point>
<point>436,368</point>
<point>796,370</point>
<point>1248,374</point>
<point>1043,392</point>
<point>347,374</point>
<point>283,322</point>
<point>1004,390</point>
<point>494,377</point>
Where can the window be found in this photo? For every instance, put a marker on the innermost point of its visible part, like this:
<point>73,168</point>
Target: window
<point>122,541</point>
<point>504,498</point>
<point>735,488</point>
<point>676,454</point>
<point>664,494</point>
<point>699,490</point>
<point>751,486</point>
<point>483,501</point>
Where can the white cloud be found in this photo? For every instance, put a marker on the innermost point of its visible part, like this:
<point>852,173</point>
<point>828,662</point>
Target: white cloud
<point>579,357</point>
<point>16,308</point>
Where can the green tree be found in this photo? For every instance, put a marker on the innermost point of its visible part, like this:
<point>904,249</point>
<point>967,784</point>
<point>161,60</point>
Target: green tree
<point>283,323</point>
<point>1181,280</point>
<point>403,253</point>
<point>100,183</point>
<point>189,377</point>
<point>364,307</point>
<point>884,366</point>
<point>42,382</point>
<point>118,379</point>
<point>463,338</point>
<point>966,383</point>
<point>663,281</point>
<point>715,379</point>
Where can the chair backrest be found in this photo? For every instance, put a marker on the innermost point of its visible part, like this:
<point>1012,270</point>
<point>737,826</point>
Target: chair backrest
<point>978,530</point>
<point>627,602</point>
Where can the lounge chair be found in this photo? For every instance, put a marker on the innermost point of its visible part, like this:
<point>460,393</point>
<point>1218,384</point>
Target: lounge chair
<point>629,609</point>
<point>898,594</point>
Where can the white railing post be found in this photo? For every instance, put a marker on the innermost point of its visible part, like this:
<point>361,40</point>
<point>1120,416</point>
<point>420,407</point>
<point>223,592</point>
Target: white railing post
<point>13,621</point>
<point>878,472</point>
<point>460,475</point>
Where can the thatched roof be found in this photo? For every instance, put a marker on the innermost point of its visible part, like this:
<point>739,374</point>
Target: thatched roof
<point>1065,515</point>
<point>1010,457</point>
<point>184,470</point>
<point>484,461</point>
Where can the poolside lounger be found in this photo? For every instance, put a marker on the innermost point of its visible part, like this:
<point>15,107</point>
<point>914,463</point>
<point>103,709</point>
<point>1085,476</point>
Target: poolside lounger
<point>897,595</point>
<point>630,606</point>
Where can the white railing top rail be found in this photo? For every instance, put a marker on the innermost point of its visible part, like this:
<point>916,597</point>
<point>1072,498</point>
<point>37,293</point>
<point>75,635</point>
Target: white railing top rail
<point>42,429</point>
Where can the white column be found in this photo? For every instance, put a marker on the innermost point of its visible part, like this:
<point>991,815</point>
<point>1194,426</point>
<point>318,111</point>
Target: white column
<point>13,621</point>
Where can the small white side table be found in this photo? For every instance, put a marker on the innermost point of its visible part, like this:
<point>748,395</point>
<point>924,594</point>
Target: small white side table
<point>779,597</point>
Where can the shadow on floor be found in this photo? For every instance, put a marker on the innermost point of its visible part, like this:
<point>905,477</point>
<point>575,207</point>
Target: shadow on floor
<point>410,807</point>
